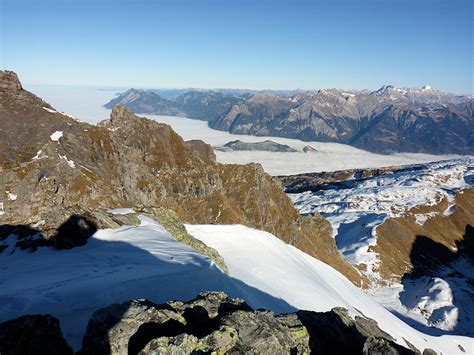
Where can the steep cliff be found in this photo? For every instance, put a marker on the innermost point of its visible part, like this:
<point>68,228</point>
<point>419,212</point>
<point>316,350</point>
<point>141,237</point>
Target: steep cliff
<point>67,167</point>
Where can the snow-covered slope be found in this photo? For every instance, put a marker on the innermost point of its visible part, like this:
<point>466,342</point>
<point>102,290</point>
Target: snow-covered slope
<point>146,262</point>
<point>114,266</point>
<point>357,207</point>
<point>262,261</point>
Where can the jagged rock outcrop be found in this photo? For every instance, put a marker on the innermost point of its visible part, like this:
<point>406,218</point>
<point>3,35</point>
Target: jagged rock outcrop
<point>65,167</point>
<point>9,82</point>
<point>309,149</point>
<point>266,146</point>
<point>35,334</point>
<point>215,323</point>
<point>170,221</point>
<point>20,110</point>
<point>210,323</point>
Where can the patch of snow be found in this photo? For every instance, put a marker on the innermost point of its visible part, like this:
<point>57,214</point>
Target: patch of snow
<point>2,211</point>
<point>39,223</point>
<point>347,94</point>
<point>121,210</point>
<point>421,218</point>
<point>433,298</point>
<point>450,209</point>
<point>69,162</point>
<point>82,166</point>
<point>10,243</point>
<point>428,301</point>
<point>37,156</point>
<point>400,90</point>
<point>56,135</point>
<point>10,196</point>
<point>356,237</point>
<point>114,266</point>
<point>49,110</point>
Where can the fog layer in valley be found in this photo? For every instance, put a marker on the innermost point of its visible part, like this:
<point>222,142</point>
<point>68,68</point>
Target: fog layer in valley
<point>85,104</point>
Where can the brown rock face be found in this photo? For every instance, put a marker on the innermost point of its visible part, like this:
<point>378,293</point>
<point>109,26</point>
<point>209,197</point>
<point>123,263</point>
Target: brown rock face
<point>24,122</point>
<point>9,81</point>
<point>129,161</point>
<point>397,236</point>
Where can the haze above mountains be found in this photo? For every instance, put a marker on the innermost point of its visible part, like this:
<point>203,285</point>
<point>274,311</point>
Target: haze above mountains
<point>391,119</point>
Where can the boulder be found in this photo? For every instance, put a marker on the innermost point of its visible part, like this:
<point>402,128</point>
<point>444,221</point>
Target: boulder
<point>34,334</point>
<point>213,322</point>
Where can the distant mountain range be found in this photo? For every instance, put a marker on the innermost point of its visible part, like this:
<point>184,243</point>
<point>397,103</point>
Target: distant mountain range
<point>391,119</point>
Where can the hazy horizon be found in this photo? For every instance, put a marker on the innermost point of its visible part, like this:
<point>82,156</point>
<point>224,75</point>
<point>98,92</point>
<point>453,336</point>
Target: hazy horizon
<point>122,88</point>
<point>272,45</point>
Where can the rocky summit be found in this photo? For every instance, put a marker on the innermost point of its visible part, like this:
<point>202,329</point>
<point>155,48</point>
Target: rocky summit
<point>391,119</point>
<point>64,168</point>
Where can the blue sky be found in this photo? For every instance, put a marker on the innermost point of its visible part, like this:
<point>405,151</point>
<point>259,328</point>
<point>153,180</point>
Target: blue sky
<point>246,44</point>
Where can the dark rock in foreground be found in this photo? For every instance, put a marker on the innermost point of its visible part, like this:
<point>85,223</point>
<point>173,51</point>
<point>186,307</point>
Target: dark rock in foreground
<point>36,334</point>
<point>215,323</point>
<point>210,323</point>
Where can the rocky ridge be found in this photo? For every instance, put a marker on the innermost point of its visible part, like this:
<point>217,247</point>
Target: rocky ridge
<point>128,161</point>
